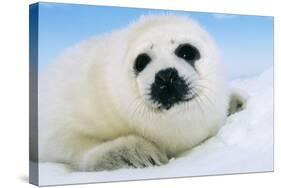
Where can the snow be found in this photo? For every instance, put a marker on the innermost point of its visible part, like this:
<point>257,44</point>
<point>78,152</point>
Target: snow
<point>243,145</point>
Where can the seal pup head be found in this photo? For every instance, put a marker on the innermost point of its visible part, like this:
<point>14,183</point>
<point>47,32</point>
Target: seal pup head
<point>172,62</point>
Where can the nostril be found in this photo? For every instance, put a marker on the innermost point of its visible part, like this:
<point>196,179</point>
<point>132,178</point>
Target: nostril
<point>166,76</point>
<point>160,78</point>
<point>172,75</point>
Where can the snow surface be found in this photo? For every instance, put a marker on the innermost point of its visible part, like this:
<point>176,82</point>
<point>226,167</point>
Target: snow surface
<point>243,145</point>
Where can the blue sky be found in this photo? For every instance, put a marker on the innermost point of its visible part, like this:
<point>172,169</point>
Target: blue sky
<point>246,42</point>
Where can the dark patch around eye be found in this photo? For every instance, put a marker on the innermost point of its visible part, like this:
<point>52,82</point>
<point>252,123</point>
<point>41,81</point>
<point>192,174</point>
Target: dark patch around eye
<point>187,52</point>
<point>141,62</point>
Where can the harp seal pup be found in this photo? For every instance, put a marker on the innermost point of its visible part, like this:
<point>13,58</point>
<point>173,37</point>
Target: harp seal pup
<point>133,98</point>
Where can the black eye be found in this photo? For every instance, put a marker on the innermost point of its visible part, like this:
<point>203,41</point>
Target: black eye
<point>141,62</point>
<point>187,52</point>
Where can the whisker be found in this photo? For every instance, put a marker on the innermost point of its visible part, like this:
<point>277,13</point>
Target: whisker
<point>202,94</point>
<point>199,104</point>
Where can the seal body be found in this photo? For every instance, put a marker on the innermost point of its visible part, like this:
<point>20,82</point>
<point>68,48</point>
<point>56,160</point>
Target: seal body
<point>132,98</point>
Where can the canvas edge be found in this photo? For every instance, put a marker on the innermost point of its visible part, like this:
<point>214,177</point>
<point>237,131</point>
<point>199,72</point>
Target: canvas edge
<point>33,94</point>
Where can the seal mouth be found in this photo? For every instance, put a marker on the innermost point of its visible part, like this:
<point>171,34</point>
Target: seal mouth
<point>168,106</point>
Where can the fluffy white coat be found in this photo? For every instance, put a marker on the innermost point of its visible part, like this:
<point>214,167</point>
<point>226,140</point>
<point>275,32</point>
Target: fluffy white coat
<point>92,113</point>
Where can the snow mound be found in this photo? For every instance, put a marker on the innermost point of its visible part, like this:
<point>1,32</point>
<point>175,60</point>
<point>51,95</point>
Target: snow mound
<point>243,145</point>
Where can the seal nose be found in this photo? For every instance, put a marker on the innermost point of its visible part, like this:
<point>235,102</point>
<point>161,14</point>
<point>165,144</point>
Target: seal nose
<point>168,88</point>
<point>166,76</point>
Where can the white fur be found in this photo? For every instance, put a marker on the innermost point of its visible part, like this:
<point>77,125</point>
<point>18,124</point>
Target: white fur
<point>91,102</point>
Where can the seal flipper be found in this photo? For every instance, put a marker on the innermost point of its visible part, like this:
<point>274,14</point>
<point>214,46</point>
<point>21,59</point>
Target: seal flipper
<point>237,101</point>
